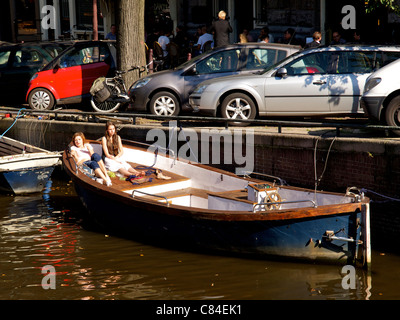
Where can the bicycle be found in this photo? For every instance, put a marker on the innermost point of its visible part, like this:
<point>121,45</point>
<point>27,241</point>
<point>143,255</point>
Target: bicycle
<point>115,91</point>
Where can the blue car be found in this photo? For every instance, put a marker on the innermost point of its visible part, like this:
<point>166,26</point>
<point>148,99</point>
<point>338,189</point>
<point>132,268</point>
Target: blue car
<point>167,92</point>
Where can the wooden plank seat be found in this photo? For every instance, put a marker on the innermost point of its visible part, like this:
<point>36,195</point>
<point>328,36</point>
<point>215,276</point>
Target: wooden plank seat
<point>237,195</point>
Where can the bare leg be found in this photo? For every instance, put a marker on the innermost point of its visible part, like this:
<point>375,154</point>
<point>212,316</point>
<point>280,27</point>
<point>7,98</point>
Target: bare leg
<point>130,171</point>
<point>124,172</point>
<point>100,174</point>
<point>134,171</point>
<point>102,167</point>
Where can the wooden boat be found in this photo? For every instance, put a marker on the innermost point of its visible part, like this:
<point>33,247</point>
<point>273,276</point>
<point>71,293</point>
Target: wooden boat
<point>25,168</point>
<point>205,208</point>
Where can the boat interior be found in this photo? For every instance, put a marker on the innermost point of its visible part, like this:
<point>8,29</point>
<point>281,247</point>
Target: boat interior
<point>195,185</point>
<point>10,147</point>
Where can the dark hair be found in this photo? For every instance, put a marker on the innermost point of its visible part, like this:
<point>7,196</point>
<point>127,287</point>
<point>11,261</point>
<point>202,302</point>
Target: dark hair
<point>290,31</point>
<point>112,146</point>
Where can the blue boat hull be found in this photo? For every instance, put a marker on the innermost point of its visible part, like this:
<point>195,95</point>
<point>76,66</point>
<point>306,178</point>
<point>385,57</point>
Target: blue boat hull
<point>292,238</point>
<point>26,180</point>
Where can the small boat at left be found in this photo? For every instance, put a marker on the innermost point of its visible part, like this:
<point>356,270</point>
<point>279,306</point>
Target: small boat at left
<point>25,168</point>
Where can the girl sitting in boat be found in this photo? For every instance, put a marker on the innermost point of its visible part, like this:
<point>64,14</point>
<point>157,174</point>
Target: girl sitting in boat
<point>83,153</point>
<point>113,153</point>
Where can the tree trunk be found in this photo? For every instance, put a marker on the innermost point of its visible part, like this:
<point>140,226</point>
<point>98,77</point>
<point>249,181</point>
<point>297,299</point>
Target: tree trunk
<point>130,37</point>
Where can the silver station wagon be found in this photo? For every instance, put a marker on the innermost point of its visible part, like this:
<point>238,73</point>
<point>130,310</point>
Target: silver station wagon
<point>315,82</point>
<point>167,92</point>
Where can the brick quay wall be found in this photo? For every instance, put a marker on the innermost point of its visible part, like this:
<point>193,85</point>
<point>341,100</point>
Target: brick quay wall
<point>369,163</point>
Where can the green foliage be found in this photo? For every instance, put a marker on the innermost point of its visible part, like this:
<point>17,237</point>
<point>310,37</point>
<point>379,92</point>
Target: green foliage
<point>391,5</point>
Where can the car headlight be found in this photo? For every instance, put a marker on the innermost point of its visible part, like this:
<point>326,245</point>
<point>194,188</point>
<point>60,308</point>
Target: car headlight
<point>372,83</point>
<point>140,83</point>
<point>200,89</point>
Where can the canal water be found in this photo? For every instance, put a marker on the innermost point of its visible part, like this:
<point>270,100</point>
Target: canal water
<point>45,230</point>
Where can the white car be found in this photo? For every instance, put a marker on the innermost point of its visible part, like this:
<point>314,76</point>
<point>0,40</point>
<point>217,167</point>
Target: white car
<point>381,98</point>
<point>315,82</point>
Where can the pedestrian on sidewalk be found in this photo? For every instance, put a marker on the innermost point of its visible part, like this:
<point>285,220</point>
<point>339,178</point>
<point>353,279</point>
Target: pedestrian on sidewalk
<point>221,29</point>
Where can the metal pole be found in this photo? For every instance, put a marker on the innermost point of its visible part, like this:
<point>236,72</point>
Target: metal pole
<point>95,25</point>
<point>151,69</point>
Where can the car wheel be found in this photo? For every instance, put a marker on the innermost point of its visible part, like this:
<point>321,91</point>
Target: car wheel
<point>41,99</point>
<point>238,106</point>
<point>107,106</point>
<point>164,104</point>
<point>393,114</point>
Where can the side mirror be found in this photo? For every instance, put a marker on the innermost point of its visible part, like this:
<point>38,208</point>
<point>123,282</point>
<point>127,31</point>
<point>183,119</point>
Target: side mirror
<point>281,73</point>
<point>57,65</point>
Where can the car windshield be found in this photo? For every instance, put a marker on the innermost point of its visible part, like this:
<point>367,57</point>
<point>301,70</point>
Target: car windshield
<point>193,60</point>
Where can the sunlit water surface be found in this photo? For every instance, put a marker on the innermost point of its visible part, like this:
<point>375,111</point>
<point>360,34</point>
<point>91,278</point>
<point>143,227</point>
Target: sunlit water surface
<point>45,230</point>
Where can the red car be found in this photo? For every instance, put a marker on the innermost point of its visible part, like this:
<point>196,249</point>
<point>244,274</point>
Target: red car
<point>68,78</point>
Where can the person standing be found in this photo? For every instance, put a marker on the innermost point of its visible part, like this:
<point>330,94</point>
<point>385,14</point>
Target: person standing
<point>221,29</point>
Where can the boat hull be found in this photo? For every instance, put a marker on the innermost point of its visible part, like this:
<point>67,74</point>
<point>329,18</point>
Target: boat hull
<point>26,180</point>
<point>300,239</point>
<point>25,168</point>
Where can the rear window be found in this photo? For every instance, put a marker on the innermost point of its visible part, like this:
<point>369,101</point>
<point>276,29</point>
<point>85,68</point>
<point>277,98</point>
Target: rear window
<point>223,61</point>
<point>86,55</point>
<point>54,51</point>
<point>261,58</point>
<point>26,57</point>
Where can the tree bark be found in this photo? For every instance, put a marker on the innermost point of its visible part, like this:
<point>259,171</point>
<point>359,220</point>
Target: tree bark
<point>130,37</point>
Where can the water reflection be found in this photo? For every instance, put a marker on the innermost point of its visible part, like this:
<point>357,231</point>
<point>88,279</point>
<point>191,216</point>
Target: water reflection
<point>46,229</point>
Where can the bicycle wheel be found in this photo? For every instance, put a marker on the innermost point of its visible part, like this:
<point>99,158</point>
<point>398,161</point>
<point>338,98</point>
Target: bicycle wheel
<point>107,106</point>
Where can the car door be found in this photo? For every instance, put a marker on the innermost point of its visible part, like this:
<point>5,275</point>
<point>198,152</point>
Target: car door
<point>218,64</point>
<point>26,62</point>
<point>347,79</point>
<point>6,56</point>
<point>304,91</point>
<point>79,68</point>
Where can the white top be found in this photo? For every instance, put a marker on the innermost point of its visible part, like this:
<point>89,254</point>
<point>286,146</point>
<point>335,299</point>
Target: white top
<point>203,39</point>
<point>163,41</point>
<point>82,154</point>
